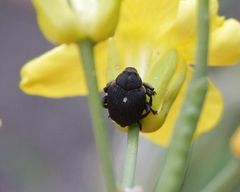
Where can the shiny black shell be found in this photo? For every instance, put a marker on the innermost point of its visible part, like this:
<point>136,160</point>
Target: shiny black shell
<point>126,98</point>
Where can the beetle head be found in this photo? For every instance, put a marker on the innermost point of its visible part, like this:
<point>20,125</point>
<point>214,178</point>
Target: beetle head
<point>129,79</point>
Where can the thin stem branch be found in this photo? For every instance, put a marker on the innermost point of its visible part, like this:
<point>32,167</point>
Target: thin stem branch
<point>226,178</point>
<point>176,161</point>
<point>95,105</point>
<point>131,156</point>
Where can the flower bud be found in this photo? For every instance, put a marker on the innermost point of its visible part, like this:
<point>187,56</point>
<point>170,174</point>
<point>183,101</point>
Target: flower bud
<point>235,143</point>
<point>167,85</point>
<point>167,77</point>
<point>63,21</point>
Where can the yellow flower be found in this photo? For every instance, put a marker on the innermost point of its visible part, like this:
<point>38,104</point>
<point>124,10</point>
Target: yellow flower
<point>64,21</point>
<point>235,143</point>
<point>158,38</point>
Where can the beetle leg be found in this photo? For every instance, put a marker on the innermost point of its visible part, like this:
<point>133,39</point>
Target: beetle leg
<point>149,92</point>
<point>150,100</point>
<point>154,112</point>
<point>148,110</point>
<point>147,86</point>
<point>104,102</point>
<point>149,89</point>
<point>145,114</point>
<point>140,125</point>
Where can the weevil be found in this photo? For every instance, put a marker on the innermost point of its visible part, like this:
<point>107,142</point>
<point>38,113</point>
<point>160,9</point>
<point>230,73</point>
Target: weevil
<point>126,98</point>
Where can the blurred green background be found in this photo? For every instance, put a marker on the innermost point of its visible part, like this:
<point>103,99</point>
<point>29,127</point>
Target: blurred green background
<point>47,145</point>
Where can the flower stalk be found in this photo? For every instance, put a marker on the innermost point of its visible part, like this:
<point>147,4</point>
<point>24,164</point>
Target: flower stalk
<point>131,156</point>
<point>95,105</point>
<point>176,161</point>
<point>226,178</point>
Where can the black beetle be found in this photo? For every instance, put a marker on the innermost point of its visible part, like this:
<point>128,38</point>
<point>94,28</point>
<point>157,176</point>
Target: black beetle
<point>126,98</point>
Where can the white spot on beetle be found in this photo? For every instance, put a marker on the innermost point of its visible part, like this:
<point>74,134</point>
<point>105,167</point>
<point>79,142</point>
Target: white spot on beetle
<point>125,100</point>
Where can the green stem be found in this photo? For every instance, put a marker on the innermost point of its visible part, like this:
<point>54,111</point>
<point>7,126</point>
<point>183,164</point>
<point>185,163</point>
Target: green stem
<point>95,105</point>
<point>176,161</point>
<point>131,156</point>
<point>226,178</point>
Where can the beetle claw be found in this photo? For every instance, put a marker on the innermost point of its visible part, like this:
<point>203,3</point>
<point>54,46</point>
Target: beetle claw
<point>140,125</point>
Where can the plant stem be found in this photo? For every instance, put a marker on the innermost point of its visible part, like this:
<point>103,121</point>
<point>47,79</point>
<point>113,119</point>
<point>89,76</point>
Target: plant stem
<point>226,178</point>
<point>95,105</point>
<point>176,161</point>
<point>131,156</point>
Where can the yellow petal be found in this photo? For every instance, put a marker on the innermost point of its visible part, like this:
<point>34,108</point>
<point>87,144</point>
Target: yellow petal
<point>211,113</point>
<point>185,27</point>
<point>114,66</point>
<point>59,73</point>
<point>141,26</point>
<point>225,43</point>
<point>224,35</point>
